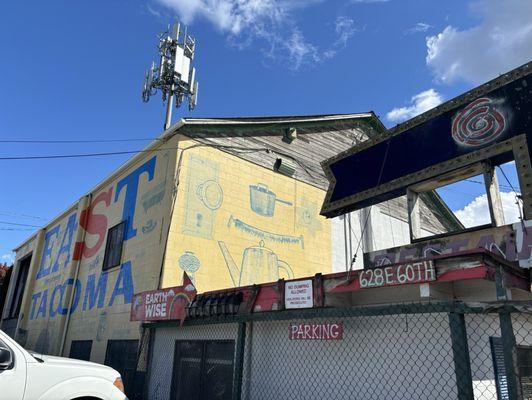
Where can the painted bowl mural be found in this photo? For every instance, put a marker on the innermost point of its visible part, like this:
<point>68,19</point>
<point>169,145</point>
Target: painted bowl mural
<point>189,262</point>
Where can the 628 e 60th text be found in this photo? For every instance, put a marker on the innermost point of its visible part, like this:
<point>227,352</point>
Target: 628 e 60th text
<point>416,272</point>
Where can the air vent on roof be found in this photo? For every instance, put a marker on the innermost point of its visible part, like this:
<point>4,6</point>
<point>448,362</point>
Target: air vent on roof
<point>289,134</point>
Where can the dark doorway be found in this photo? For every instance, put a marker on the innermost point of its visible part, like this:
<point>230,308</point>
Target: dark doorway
<point>122,356</point>
<point>81,349</point>
<point>21,277</point>
<point>203,370</point>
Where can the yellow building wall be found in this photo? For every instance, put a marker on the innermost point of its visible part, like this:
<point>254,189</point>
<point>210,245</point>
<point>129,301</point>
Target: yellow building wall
<point>236,223</point>
<point>233,223</point>
<point>140,195</point>
<point>45,301</point>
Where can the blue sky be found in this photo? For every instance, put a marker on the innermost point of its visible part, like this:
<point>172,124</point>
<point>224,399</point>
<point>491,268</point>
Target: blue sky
<point>73,71</point>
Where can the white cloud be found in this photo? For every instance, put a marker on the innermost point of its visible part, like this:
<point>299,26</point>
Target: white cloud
<point>231,16</point>
<point>269,21</point>
<point>345,29</point>
<point>420,103</point>
<point>8,258</point>
<point>153,11</point>
<point>477,213</point>
<point>500,42</point>
<point>419,27</point>
<point>299,50</point>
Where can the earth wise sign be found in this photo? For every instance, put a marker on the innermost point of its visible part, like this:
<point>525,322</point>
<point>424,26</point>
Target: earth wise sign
<point>162,304</point>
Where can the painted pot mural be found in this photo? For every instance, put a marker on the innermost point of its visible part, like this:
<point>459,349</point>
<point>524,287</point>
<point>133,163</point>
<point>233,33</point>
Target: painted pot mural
<point>259,264</point>
<point>262,200</point>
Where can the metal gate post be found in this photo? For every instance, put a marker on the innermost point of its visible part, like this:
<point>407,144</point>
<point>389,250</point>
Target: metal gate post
<point>462,363</point>
<point>510,355</point>
<point>239,361</point>
<point>508,339</point>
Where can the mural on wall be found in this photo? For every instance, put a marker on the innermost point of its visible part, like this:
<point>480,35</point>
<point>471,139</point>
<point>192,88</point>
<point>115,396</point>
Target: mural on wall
<point>262,200</point>
<point>204,196</point>
<point>149,227</point>
<point>94,263</point>
<point>480,122</point>
<point>94,289</point>
<point>307,213</point>
<point>189,263</point>
<point>265,235</point>
<point>57,248</point>
<point>259,264</point>
<point>155,196</point>
<point>512,242</point>
<point>240,225</point>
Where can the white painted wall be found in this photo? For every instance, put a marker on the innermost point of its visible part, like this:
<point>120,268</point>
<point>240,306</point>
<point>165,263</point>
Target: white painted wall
<point>382,357</point>
<point>384,232</point>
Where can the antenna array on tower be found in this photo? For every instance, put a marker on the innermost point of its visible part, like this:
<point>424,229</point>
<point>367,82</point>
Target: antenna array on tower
<point>174,76</point>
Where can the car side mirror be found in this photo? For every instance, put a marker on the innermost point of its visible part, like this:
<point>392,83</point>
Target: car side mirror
<point>6,358</point>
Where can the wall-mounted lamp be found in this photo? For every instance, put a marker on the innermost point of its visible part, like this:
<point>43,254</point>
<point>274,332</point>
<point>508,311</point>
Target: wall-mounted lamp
<point>284,167</point>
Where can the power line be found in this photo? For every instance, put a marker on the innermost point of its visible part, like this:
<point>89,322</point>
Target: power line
<point>15,229</point>
<point>112,153</point>
<point>17,224</point>
<point>14,214</point>
<point>80,141</point>
<point>80,155</point>
<point>502,186</point>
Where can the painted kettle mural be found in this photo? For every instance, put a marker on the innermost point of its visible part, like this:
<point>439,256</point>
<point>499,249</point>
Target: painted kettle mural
<point>262,200</point>
<point>259,264</point>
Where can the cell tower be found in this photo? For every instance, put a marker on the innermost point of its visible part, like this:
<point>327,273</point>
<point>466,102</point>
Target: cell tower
<point>174,76</point>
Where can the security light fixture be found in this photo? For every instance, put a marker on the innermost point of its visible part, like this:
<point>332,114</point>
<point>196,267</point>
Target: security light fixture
<point>284,167</point>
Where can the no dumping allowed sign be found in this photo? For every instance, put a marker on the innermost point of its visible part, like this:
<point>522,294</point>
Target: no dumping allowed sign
<point>298,294</point>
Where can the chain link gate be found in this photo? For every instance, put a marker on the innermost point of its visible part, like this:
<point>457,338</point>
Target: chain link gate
<point>446,350</point>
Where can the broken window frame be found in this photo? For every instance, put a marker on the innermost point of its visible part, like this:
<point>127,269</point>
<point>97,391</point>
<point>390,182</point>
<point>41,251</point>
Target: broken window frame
<point>485,168</point>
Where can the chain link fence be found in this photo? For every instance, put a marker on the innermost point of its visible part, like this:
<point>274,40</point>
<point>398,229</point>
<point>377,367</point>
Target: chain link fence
<point>402,351</point>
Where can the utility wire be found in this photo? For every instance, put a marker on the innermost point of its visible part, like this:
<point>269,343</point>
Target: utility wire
<point>506,178</point>
<point>517,200</point>
<point>482,183</point>
<point>80,141</point>
<point>14,223</point>
<point>14,214</point>
<point>81,155</point>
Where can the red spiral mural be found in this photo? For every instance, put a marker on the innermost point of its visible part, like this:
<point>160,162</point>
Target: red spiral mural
<point>478,123</point>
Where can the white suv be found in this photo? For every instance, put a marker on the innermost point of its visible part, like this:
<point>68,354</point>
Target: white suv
<point>24,376</point>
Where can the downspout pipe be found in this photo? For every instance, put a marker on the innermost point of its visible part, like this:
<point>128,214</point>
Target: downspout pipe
<point>84,205</point>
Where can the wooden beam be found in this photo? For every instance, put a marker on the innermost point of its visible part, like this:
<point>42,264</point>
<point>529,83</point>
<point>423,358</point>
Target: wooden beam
<point>494,195</point>
<point>414,215</point>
